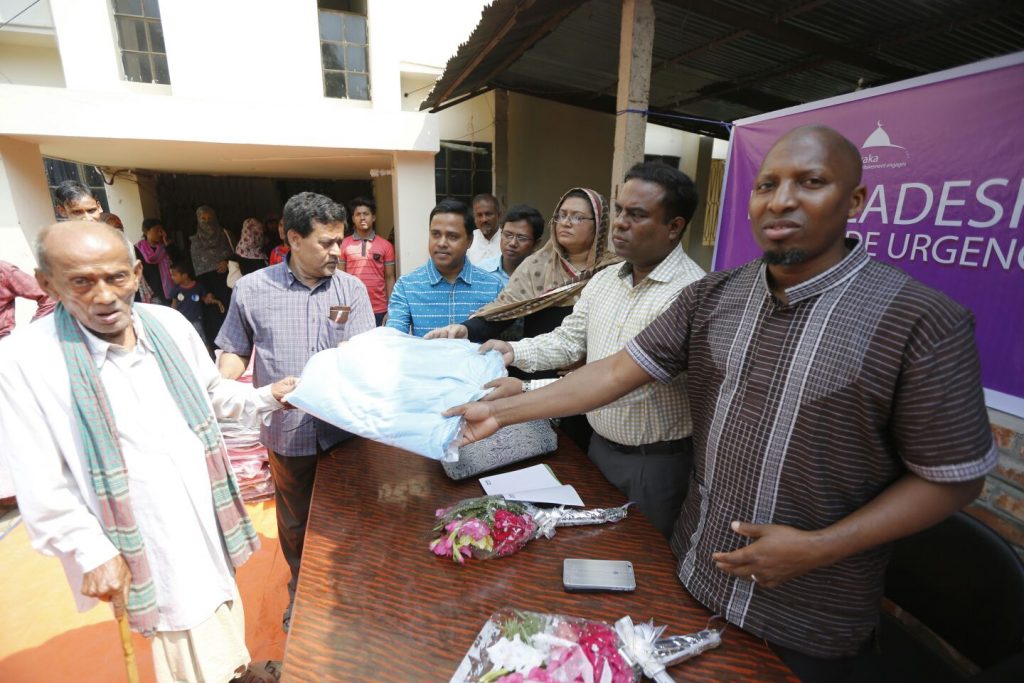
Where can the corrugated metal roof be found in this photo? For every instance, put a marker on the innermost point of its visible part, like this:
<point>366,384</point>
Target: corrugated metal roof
<point>725,59</point>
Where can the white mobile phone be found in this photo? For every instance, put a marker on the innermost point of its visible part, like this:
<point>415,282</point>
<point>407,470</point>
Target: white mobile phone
<point>597,575</point>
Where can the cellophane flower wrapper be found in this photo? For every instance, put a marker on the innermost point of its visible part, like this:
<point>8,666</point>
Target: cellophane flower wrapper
<point>490,526</point>
<point>517,646</point>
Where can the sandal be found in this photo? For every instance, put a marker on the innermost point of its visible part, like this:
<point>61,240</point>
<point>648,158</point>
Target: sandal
<point>263,671</point>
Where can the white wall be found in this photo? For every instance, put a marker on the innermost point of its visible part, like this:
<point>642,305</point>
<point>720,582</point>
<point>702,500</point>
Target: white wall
<point>553,147</point>
<point>135,116</point>
<point>31,65</point>
<point>719,149</point>
<point>88,44</point>
<point>125,200</point>
<point>25,209</point>
<point>33,18</point>
<point>469,121</point>
<point>256,51</point>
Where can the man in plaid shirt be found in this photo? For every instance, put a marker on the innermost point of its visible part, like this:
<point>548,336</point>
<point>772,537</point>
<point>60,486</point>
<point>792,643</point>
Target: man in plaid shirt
<point>286,313</point>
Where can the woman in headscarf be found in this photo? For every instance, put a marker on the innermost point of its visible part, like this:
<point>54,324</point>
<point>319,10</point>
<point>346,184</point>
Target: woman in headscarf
<point>156,253</point>
<point>249,253</point>
<point>545,286</point>
<point>211,249</point>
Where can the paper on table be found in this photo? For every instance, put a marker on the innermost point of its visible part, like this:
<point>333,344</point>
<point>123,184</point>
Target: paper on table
<point>537,484</point>
<point>557,495</point>
<point>526,479</point>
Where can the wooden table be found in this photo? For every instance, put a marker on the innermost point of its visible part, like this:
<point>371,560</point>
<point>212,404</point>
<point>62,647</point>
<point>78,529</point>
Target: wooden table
<point>374,604</point>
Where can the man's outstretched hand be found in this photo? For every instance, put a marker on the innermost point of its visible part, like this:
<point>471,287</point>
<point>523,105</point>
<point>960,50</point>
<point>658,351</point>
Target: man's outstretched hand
<point>283,387</point>
<point>479,421</point>
<point>503,347</point>
<point>503,387</point>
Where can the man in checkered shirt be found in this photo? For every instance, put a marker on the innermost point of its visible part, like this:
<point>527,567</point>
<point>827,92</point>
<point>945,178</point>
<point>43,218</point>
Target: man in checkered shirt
<point>837,406</point>
<point>286,313</point>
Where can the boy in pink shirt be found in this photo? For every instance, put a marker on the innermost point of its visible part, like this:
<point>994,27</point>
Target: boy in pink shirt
<point>369,257</point>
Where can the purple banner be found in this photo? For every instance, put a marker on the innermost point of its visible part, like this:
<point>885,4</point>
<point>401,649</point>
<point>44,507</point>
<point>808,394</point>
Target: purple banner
<point>944,169</point>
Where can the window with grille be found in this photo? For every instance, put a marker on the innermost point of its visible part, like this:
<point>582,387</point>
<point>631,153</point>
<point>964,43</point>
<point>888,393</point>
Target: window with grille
<point>462,170</point>
<point>344,49</point>
<point>58,170</point>
<point>141,38</point>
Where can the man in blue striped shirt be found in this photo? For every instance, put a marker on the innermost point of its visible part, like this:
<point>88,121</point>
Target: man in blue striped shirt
<point>448,288</point>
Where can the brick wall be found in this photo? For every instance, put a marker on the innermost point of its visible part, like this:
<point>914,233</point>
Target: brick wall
<point>1001,503</point>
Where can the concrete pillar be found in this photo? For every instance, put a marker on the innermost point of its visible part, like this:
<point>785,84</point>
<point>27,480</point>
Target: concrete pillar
<point>25,209</point>
<point>635,45</point>
<point>412,183</point>
<point>125,199</point>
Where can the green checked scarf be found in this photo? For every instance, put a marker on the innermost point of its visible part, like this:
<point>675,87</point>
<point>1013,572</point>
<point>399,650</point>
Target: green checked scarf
<point>106,462</point>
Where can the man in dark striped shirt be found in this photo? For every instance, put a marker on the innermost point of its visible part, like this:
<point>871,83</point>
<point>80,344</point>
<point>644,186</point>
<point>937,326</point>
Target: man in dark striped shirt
<point>837,406</point>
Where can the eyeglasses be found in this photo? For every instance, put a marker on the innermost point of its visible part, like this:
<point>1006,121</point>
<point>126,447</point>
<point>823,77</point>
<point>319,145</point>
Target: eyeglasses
<point>572,219</point>
<point>518,239</point>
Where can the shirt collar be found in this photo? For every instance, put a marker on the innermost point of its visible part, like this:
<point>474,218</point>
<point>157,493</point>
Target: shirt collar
<point>100,348</point>
<point>851,264</point>
<point>290,278</point>
<point>466,274</point>
<point>369,237</point>
<point>663,272</point>
<point>495,264</point>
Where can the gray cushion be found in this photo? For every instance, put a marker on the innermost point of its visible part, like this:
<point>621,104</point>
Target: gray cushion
<point>506,446</point>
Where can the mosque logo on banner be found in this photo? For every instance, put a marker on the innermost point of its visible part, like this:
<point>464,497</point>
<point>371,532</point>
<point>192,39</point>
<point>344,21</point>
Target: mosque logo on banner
<point>879,152</point>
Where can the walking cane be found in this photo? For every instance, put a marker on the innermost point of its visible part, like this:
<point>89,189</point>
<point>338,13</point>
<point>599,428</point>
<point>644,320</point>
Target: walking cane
<point>126,645</point>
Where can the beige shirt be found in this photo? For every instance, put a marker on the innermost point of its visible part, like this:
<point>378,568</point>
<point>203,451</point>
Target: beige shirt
<point>610,312</point>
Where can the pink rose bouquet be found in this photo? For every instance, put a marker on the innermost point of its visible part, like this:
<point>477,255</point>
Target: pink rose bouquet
<point>516,646</point>
<point>490,526</point>
<point>523,647</point>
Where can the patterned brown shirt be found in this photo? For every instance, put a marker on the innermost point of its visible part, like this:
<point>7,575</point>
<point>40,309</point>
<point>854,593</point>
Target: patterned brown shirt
<point>805,412</point>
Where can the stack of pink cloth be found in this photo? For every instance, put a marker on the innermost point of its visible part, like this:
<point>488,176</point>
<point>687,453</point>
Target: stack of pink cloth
<point>249,459</point>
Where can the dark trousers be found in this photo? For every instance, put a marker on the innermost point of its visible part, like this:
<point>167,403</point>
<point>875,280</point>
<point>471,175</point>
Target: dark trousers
<point>379,317</point>
<point>293,480</point>
<point>216,284</point>
<point>863,667</point>
<point>654,476</point>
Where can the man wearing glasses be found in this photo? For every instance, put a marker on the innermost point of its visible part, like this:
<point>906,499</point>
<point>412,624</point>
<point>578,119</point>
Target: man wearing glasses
<point>522,227</point>
<point>641,443</point>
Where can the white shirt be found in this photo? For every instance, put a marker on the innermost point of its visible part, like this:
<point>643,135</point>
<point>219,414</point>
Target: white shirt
<point>611,311</point>
<point>483,248</point>
<point>167,476</point>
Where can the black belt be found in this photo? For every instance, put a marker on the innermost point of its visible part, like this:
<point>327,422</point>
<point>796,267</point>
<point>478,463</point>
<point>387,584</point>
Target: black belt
<point>675,447</point>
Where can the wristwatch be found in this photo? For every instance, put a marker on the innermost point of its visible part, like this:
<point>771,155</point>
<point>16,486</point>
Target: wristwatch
<point>526,385</point>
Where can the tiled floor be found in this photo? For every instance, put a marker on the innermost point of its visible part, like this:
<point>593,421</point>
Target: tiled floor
<point>45,639</point>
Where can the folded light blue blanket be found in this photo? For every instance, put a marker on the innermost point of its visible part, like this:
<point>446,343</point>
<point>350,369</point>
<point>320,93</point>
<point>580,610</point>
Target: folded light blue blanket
<point>392,387</point>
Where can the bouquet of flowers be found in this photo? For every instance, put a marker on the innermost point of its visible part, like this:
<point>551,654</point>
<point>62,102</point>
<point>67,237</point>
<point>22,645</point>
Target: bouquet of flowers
<point>491,526</point>
<point>517,646</point>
